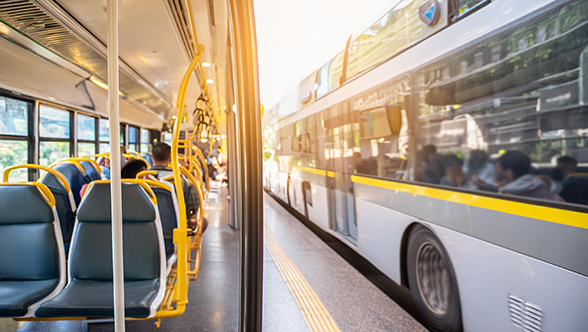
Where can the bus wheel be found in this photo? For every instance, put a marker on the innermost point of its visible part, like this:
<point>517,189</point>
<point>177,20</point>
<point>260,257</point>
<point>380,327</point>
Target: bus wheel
<point>432,282</point>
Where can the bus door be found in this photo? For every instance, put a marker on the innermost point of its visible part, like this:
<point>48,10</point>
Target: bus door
<point>339,170</point>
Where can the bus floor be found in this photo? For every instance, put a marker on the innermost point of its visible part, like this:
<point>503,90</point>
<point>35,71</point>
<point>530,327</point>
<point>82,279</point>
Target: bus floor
<point>293,258</point>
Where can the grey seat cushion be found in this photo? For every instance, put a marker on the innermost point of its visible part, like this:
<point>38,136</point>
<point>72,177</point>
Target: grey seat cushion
<point>17,296</point>
<point>92,298</point>
<point>89,292</point>
<point>31,256</point>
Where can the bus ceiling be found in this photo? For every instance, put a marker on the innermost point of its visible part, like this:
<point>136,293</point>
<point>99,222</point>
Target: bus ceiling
<point>68,66</point>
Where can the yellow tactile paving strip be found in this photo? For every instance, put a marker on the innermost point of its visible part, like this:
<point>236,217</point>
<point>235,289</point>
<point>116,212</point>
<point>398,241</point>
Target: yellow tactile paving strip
<point>314,312</point>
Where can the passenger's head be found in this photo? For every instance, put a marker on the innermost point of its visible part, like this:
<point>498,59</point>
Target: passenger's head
<point>453,168</point>
<point>511,166</point>
<point>452,162</point>
<point>567,164</point>
<point>132,167</point>
<point>429,152</point>
<point>161,154</point>
<point>477,159</point>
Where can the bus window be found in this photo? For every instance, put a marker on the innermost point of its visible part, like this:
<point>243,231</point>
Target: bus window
<point>103,136</point>
<point>14,132</point>
<point>13,117</point>
<point>377,150</point>
<point>396,30</point>
<point>133,132</point>
<point>54,134</point>
<point>505,115</point>
<point>145,146</point>
<point>329,75</point>
<point>86,135</point>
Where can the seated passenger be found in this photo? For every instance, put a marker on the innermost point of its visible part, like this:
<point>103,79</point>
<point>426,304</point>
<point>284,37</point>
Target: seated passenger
<point>567,165</point>
<point>478,169</point>
<point>513,176</point>
<point>549,183</point>
<point>575,190</point>
<point>454,175</point>
<point>161,158</point>
<point>557,177</point>
<point>129,171</point>
<point>368,166</point>
<point>104,164</point>
<point>132,168</point>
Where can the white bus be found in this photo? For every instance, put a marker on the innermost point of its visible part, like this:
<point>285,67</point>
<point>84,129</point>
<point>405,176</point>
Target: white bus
<point>448,144</point>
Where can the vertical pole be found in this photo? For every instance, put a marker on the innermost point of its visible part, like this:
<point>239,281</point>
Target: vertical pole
<point>249,130</point>
<point>115,176</point>
<point>232,169</point>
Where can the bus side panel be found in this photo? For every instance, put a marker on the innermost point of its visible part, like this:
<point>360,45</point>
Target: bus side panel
<point>296,198</point>
<point>282,190</point>
<point>380,231</point>
<point>318,213</point>
<point>487,274</point>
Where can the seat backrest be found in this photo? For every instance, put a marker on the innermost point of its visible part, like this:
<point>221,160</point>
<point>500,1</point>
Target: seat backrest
<point>167,204</point>
<point>76,178</point>
<point>91,171</point>
<point>148,158</point>
<point>64,204</point>
<point>31,247</point>
<point>90,255</point>
<point>575,190</point>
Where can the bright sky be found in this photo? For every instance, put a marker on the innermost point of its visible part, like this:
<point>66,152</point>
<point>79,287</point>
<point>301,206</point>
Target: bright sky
<point>295,37</point>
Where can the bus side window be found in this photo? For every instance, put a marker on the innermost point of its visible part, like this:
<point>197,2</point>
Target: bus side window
<point>504,115</point>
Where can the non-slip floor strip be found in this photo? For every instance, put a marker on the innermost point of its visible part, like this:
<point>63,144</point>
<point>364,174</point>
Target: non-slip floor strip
<point>314,312</point>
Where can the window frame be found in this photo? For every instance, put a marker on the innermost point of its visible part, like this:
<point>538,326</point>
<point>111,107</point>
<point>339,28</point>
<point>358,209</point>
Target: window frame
<point>95,141</point>
<point>72,129</point>
<point>30,137</point>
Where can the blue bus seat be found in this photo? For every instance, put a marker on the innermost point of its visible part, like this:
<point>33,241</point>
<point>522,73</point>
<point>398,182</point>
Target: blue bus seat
<point>76,177</point>
<point>32,258</point>
<point>575,188</point>
<point>89,290</point>
<point>148,158</point>
<point>64,204</point>
<point>91,171</point>
<point>167,204</point>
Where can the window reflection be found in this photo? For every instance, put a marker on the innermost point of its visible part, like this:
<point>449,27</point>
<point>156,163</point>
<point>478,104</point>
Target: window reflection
<point>53,123</point>
<point>13,117</point>
<point>507,115</point>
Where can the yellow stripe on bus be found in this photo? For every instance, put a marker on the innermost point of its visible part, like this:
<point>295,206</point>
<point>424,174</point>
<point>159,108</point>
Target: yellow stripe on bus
<point>311,170</point>
<point>559,216</point>
<point>315,171</point>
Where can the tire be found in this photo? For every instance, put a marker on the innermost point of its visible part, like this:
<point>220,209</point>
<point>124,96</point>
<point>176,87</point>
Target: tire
<point>432,282</point>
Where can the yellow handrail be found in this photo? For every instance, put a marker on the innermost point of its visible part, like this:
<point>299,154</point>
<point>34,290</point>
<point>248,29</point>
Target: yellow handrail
<point>91,161</point>
<point>62,180</point>
<point>197,169</point>
<point>49,198</point>
<point>107,155</point>
<point>205,168</point>
<point>181,233</point>
<point>141,182</point>
<point>69,162</point>
<point>197,238</point>
<point>143,173</point>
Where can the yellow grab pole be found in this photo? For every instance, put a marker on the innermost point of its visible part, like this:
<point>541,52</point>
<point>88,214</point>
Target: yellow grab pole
<point>181,238</point>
